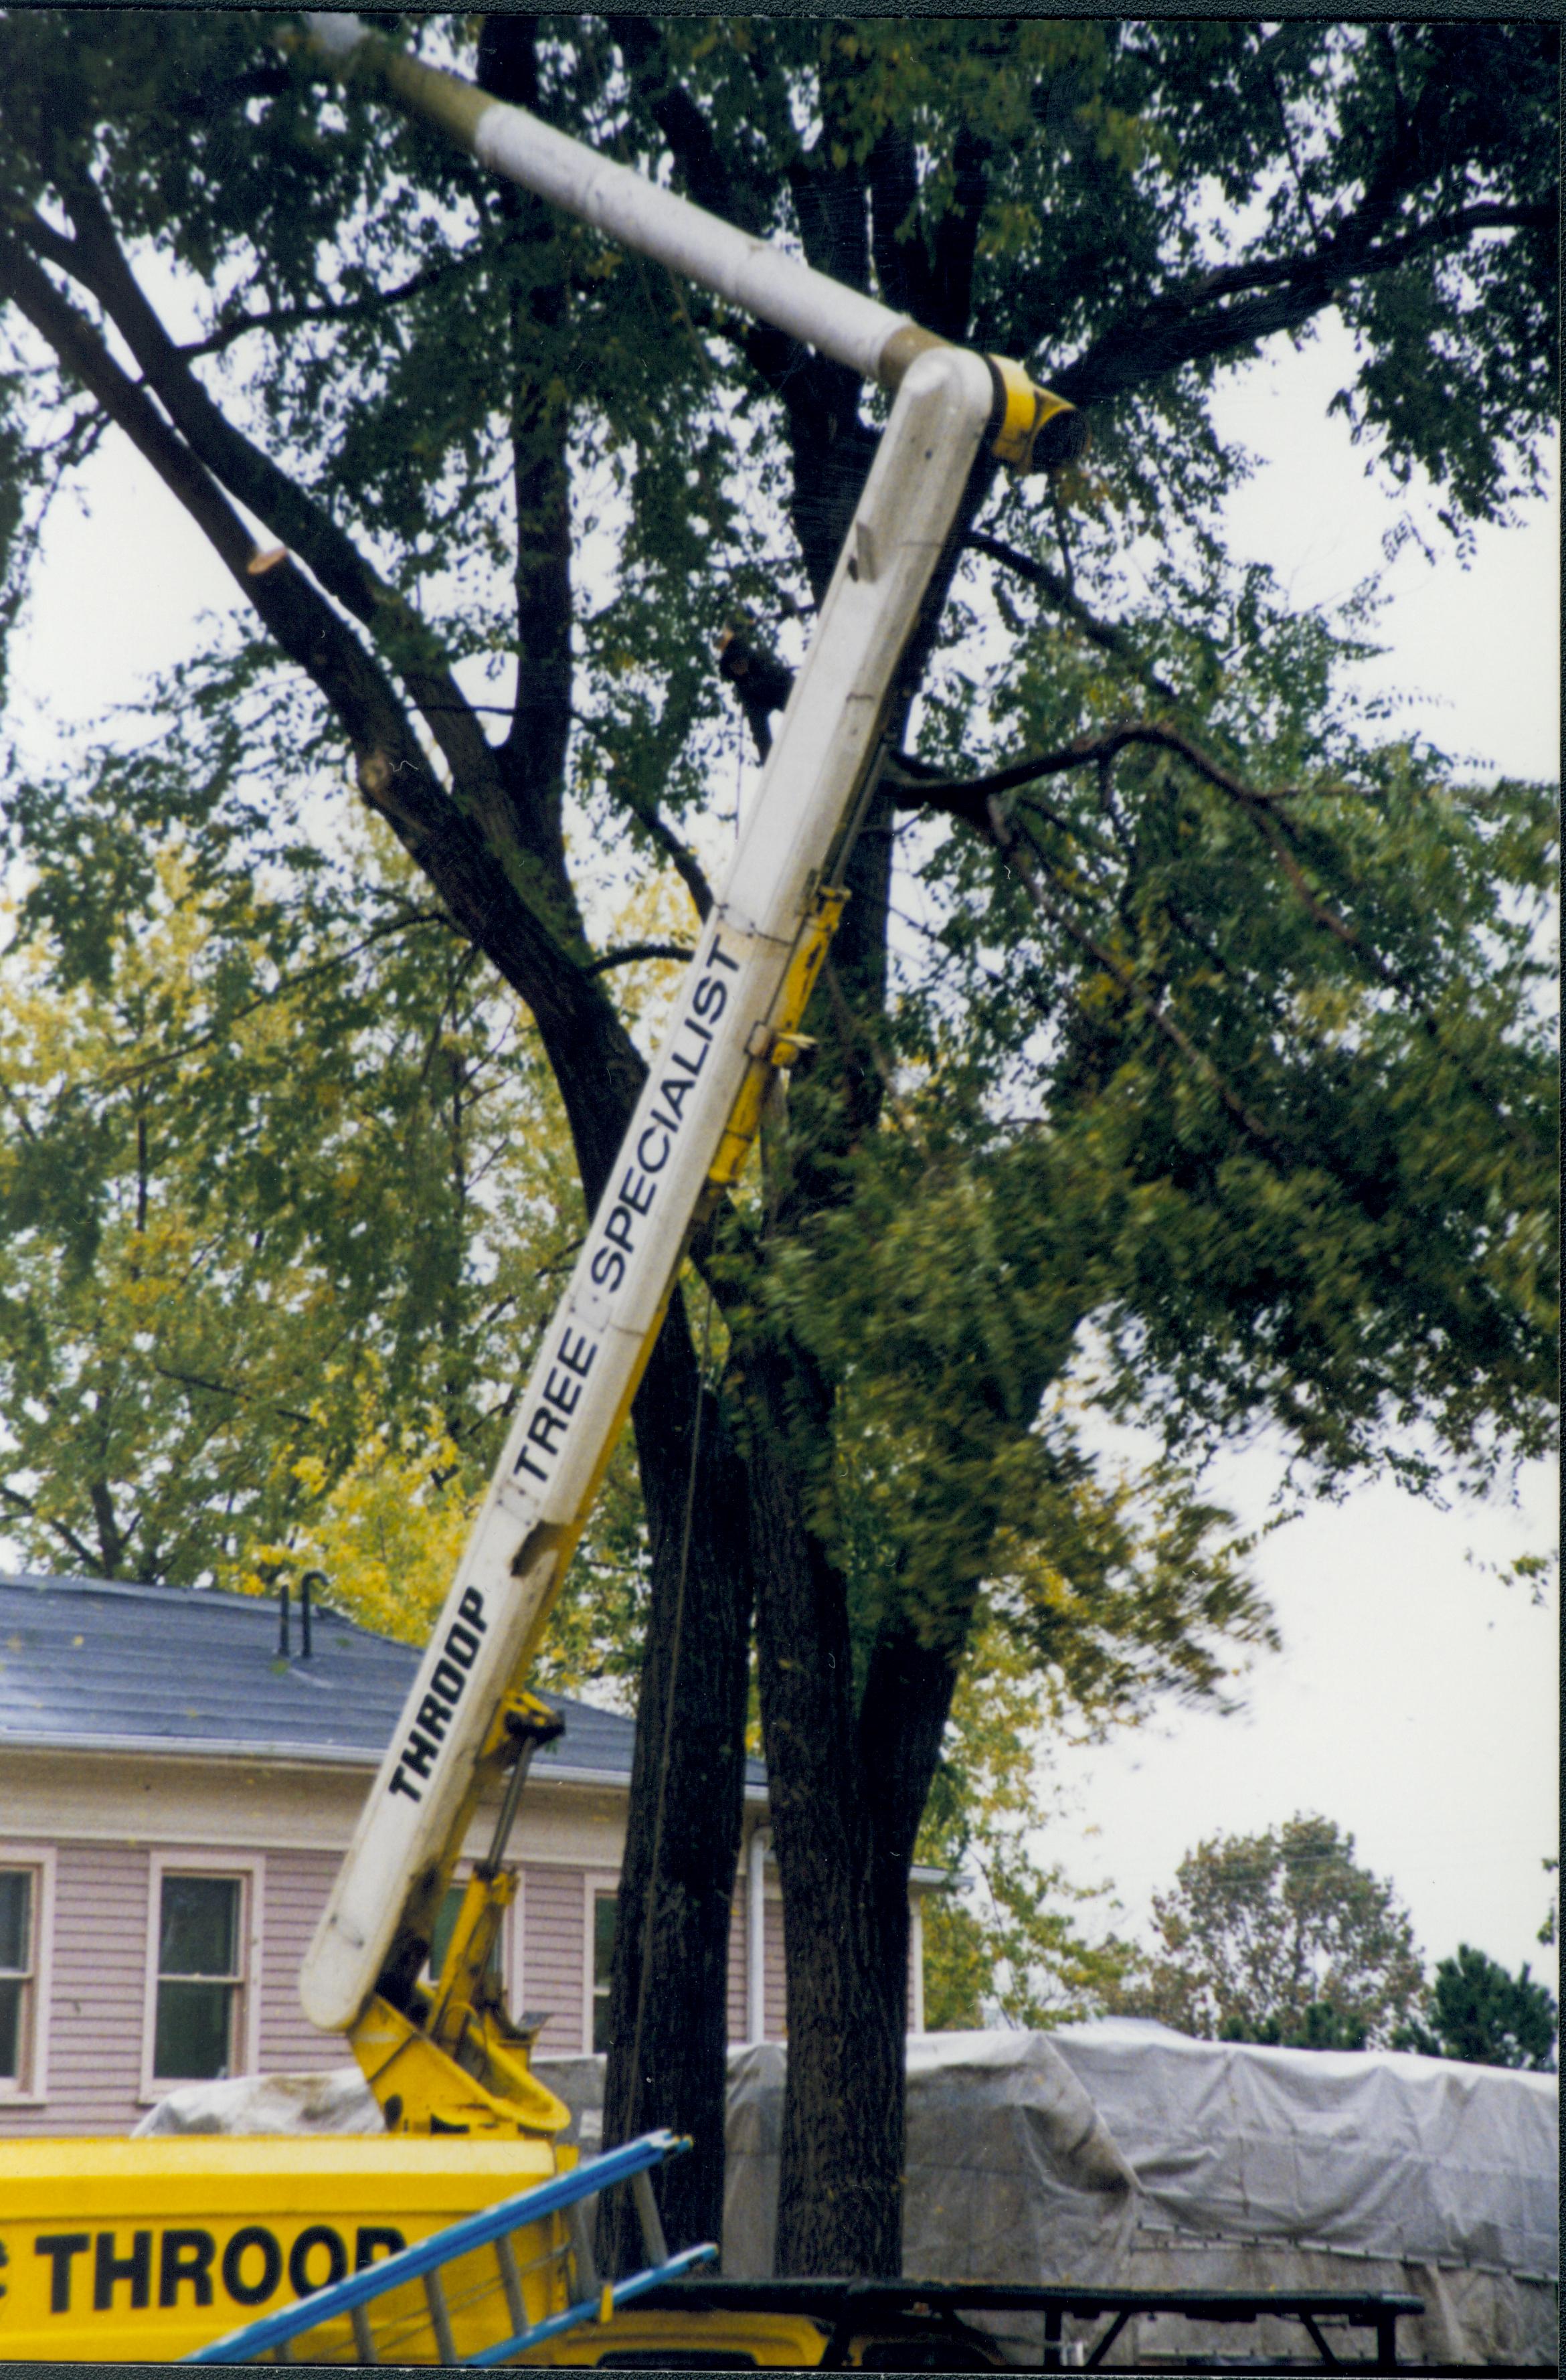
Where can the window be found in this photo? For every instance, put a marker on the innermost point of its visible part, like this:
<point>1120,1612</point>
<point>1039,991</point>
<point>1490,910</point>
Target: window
<point>200,1922</point>
<point>26,1878</point>
<point>203,1924</point>
<point>605,1907</point>
<point>445,1924</point>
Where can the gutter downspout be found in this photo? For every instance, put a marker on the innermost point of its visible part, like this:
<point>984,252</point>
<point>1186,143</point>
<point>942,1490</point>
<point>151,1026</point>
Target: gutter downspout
<point>756,1937</point>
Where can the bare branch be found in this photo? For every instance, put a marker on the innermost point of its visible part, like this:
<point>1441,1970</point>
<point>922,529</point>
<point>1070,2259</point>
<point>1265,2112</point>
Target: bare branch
<point>632,951</point>
<point>20,1504</point>
<point>95,259</point>
<point>223,1389</point>
<point>342,309</point>
<point>680,855</point>
<point>1103,633</point>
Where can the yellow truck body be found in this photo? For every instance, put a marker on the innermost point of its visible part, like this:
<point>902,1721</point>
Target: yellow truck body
<point>131,2251</point>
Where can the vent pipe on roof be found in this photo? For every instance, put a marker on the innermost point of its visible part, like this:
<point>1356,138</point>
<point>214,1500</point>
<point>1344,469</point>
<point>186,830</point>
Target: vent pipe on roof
<point>307,1647</point>
<point>311,1578</point>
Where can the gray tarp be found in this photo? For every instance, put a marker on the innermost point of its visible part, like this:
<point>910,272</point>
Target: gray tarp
<point>1377,2152</point>
<point>1247,2168</point>
<point>1124,2154</point>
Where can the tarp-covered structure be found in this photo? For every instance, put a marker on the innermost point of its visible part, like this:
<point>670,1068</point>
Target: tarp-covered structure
<point>1121,2153</point>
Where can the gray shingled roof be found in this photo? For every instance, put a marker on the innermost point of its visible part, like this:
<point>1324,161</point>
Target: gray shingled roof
<point>88,1665</point>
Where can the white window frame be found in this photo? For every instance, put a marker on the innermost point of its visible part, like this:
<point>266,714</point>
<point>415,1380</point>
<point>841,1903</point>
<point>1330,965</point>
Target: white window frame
<point>31,2088</point>
<point>594,1882</point>
<point>248,1868</point>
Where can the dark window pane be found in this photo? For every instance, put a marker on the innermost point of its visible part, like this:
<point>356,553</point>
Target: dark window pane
<point>199,1932</point>
<point>605,1907</point>
<point>441,1940</point>
<point>11,2029</point>
<point>445,1925</point>
<point>194,2024</point>
<point>16,1917</point>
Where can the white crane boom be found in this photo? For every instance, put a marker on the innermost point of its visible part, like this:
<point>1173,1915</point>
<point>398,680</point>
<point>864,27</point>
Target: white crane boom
<point>753,274</point>
<point>737,1012</point>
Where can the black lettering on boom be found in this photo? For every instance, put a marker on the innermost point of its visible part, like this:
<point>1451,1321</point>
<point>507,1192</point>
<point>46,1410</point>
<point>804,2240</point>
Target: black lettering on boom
<point>432,1717</point>
<point>418,1753</point>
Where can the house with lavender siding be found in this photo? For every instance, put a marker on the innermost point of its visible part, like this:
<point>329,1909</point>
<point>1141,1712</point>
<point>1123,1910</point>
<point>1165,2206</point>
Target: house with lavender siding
<point>179,1778</point>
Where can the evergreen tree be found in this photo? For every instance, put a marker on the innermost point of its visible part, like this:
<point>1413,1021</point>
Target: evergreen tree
<point>1475,2010</point>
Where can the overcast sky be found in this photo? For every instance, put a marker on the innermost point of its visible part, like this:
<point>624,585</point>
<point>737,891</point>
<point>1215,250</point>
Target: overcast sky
<point>1416,1698</point>
<point>1416,1701</point>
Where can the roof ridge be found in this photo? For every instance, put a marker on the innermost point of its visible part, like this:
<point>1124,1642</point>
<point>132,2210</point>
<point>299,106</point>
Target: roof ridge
<point>43,1582</point>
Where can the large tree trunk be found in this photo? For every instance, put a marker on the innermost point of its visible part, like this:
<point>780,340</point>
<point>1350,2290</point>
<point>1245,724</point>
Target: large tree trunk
<point>669,1991</point>
<point>849,1775</point>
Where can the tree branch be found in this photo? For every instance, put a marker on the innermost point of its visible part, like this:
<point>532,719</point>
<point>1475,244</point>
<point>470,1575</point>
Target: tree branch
<point>963,799</point>
<point>20,1504</point>
<point>631,951</point>
<point>1296,271</point>
<point>394,776</point>
<point>117,1079</point>
<point>1103,633</point>
<point>344,309</point>
<point>975,801</point>
<point>1001,835</point>
<point>95,259</point>
<point>680,855</point>
<point>221,1389</point>
<point>1171,332</point>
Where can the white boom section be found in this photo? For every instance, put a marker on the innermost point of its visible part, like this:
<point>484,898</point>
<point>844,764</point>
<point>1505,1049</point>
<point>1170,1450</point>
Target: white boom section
<point>764,281</point>
<point>592,1354</point>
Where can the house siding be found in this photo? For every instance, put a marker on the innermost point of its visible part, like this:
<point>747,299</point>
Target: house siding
<point>98,1986</point>
<point>773,1979</point>
<point>737,2001</point>
<point>98,1938</point>
<point>297,1886</point>
<point>555,1956</point>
